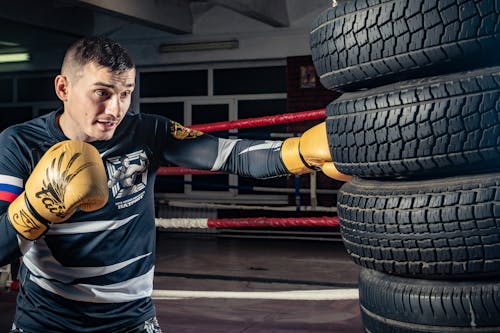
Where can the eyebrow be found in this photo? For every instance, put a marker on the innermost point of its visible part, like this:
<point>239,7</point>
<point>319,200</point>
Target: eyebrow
<point>112,86</point>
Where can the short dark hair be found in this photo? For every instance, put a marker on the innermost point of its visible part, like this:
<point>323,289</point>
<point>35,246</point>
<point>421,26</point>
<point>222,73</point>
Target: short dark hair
<point>101,51</point>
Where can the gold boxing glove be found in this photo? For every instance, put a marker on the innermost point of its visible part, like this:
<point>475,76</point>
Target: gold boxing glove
<point>310,152</point>
<point>70,175</point>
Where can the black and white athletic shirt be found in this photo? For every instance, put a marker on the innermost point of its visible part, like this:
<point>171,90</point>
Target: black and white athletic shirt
<point>94,273</point>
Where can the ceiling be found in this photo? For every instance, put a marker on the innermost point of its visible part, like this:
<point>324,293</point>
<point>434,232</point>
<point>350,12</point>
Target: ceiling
<point>30,24</point>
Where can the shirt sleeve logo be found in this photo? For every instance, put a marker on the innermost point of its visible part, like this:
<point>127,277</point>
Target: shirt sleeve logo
<point>180,132</point>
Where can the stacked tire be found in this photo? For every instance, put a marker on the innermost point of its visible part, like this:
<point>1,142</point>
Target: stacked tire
<point>418,126</point>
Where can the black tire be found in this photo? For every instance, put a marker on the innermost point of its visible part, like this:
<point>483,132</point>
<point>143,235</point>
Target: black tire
<point>391,304</point>
<point>442,125</point>
<point>442,228</point>
<point>365,43</point>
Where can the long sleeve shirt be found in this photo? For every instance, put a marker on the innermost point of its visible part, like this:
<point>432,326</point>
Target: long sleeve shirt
<point>94,273</point>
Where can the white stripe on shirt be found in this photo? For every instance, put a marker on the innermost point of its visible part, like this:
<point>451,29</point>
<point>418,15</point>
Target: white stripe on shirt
<point>87,226</point>
<point>267,145</point>
<point>125,291</point>
<point>224,150</point>
<point>10,180</point>
<point>50,268</point>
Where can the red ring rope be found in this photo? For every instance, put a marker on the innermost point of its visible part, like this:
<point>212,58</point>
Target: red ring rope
<point>274,222</point>
<point>261,121</point>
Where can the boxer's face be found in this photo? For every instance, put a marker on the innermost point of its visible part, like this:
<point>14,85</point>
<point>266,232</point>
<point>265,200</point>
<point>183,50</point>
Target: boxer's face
<point>95,102</point>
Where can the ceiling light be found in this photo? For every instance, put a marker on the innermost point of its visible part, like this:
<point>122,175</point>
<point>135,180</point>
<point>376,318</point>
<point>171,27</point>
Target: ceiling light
<point>14,57</point>
<point>5,43</point>
<point>199,46</point>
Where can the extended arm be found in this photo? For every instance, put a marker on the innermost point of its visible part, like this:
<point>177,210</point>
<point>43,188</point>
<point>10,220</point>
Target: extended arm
<point>194,149</point>
<point>253,158</point>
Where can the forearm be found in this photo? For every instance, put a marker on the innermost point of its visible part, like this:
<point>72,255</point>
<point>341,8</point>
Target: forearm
<point>253,158</point>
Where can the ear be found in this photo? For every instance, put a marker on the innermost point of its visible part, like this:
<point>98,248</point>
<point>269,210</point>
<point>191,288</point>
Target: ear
<point>61,85</point>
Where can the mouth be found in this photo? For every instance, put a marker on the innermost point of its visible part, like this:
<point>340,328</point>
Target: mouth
<point>107,125</point>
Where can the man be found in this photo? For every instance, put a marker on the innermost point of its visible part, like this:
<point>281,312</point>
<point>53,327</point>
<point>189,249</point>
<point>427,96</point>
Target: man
<point>88,261</point>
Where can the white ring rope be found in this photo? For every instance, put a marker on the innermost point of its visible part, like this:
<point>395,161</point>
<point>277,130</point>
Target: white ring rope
<point>184,204</point>
<point>200,223</point>
<point>300,295</point>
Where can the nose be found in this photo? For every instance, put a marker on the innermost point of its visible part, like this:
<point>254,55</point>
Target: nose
<point>113,107</point>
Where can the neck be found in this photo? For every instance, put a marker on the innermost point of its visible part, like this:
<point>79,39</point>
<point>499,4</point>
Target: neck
<point>66,127</point>
<point>58,121</point>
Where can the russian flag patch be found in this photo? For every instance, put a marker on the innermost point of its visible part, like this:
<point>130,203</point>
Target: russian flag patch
<point>10,188</point>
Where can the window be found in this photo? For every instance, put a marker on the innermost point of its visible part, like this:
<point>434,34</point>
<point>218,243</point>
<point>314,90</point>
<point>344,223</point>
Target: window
<point>14,115</point>
<point>259,80</point>
<point>204,94</point>
<point>6,93</point>
<point>173,111</point>
<point>175,83</point>
<point>36,89</point>
<point>262,108</point>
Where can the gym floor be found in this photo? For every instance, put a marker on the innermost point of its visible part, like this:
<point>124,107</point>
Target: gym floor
<point>229,285</point>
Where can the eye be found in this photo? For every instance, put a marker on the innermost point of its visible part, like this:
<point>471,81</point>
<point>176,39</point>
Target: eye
<point>101,93</point>
<point>125,94</point>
